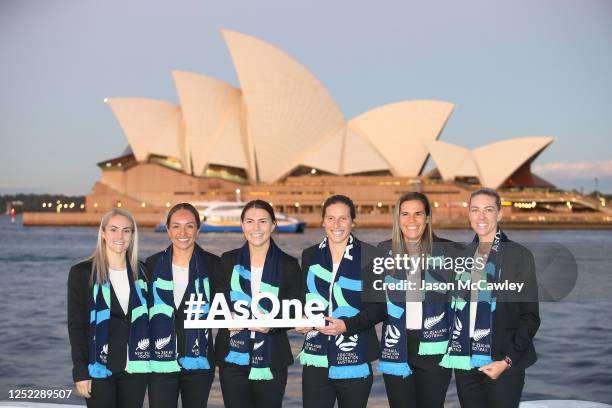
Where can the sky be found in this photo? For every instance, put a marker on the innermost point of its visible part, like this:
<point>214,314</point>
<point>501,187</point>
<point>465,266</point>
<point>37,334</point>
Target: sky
<point>513,68</point>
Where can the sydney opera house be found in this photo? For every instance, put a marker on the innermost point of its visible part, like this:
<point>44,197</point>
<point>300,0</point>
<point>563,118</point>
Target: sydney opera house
<point>281,137</point>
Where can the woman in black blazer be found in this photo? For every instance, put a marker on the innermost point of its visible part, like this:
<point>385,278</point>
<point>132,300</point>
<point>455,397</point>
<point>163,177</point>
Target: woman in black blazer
<point>413,234</point>
<point>182,360</point>
<point>336,358</point>
<point>107,318</point>
<point>253,361</point>
<point>496,378</point>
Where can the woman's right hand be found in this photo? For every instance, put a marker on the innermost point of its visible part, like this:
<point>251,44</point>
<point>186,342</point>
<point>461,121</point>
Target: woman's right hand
<point>84,388</point>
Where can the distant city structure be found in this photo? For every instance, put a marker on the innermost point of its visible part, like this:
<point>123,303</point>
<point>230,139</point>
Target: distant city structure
<point>282,138</point>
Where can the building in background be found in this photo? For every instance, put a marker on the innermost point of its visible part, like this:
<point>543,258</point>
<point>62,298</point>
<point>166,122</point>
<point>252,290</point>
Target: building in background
<point>282,138</point>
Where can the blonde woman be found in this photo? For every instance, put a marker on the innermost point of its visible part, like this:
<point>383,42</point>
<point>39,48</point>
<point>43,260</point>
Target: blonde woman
<point>108,319</point>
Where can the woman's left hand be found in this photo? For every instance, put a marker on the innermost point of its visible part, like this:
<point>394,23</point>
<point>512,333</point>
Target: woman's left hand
<point>334,328</point>
<point>494,370</point>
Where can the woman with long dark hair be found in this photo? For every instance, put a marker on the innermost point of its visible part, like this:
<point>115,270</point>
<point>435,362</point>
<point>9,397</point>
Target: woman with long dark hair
<point>182,360</point>
<point>415,330</point>
<point>108,319</point>
<point>253,361</point>
<point>336,358</point>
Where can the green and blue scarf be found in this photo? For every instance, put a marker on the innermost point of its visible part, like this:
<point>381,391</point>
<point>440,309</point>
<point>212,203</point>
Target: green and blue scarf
<point>244,349</point>
<point>345,355</point>
<point>435,324</point>
<point>463,352</point>
<point>162,316</point>
<point>138,342</point>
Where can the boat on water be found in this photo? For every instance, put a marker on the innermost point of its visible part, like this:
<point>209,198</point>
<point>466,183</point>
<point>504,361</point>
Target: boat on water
<point>224,216</point>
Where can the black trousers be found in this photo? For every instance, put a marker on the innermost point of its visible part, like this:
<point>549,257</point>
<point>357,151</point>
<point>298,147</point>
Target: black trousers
<point>476,390</point>
<point>319,391</point>
<point>120,390</point>
<point>240,392</point>
<point>193,385</point>
<point>427,385</point>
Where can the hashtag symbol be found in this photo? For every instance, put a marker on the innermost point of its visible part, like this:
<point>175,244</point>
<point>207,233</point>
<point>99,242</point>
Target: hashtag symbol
<point>194,307</point>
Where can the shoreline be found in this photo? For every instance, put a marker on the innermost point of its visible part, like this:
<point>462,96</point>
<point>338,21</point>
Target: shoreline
<point>151,219</point>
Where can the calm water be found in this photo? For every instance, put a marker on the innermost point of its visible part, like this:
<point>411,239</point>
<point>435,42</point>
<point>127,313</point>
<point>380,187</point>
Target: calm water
<point>574,342</point>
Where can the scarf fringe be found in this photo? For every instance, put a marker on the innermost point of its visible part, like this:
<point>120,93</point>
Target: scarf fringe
<point>479,360</point>
<point>98,370</point>
<point>456,362</point>
<point>313,360</point>
<point>349,371</point>
<point>165,366</point>
<point>235,357</point>
<point>398,369</point>
<point>135,367</point>
<point>194,363</point>
<point>260,374</point>
<point>433,348</point>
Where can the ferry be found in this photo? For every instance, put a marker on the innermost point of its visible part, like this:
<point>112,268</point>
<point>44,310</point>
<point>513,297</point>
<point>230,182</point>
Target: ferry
<point>224,216</point>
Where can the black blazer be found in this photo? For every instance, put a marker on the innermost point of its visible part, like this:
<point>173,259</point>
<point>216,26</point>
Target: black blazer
<point>79,296</point>
<point>212,265</point>
<point>364,321</point>
<point>517,316</point>
<point>290,288</point>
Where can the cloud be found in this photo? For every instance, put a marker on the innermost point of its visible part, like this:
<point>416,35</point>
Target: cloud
<point>577,170</point>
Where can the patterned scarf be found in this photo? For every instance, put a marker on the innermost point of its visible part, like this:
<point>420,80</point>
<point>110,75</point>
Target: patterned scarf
<point>460,354</point>
<point>138,343</point>
<point>162,316</point>
<point>434,333</point>
<point>244,349</point>
<point>344,355</point>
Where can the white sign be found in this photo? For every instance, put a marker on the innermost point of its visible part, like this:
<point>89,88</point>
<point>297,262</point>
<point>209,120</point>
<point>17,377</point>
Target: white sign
<point>312,312</point>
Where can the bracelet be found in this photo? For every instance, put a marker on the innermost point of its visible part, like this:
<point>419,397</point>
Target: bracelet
<point>508,361</point>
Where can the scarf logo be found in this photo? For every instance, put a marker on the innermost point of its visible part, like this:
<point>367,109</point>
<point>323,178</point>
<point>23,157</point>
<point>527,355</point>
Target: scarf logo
<point>457,329</point>
<point>257,345</point>
<point>196,348</point>
<point>392,335</point>
<point>311,334</point>
<point>143,345</point>
<point>432,321</point>
<point>161,343</point>
<point>104,353</point>
<point>348,345</point>
<point>480,334</point>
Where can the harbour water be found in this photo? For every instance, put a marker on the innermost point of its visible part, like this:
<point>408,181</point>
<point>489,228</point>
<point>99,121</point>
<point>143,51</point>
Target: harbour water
<point>574,341</point>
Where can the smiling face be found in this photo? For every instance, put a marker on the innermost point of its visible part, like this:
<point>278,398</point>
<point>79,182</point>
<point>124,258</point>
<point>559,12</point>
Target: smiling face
<point>118,234</point>
<point>183,230</point>
<point>484,217</point>
<point>337,222</point>
<point>413,220</point>
<point>257,226</point>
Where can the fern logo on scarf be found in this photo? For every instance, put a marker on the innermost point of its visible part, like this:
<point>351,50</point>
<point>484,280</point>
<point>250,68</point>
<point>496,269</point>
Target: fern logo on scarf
<point>430,322</point>
<point>143,345</point>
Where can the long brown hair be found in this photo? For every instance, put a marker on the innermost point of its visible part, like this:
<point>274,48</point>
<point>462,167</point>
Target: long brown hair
<point>99,267</point>
<point>397,237</point>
